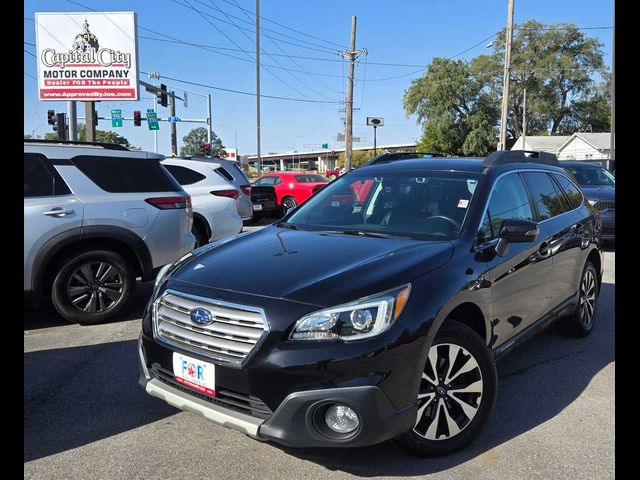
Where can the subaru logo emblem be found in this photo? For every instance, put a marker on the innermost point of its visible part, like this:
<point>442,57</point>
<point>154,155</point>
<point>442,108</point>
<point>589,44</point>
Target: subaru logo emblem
<point>201,316</point>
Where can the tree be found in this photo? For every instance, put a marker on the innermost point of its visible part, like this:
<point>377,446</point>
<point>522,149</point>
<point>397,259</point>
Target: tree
<point>103,136</point>
<point>457,110</point>
<point>556,64</point>
<point>358,157</point>
<point>195,139</point>
<point>27,135</point>
<point>458,102</point>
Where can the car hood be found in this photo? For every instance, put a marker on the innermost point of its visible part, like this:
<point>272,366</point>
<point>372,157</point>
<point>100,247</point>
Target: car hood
<point>599,192</point>
<point>318,268</point>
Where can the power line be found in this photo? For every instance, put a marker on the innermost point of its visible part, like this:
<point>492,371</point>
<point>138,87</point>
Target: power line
<point>319,48</point>
<point>247,53</point>
<point>275,97</point>
<point>292,60</point>
<point>27,51</point>
<point>32,44</point>
<point>284,26</point>
<point>29,75</point>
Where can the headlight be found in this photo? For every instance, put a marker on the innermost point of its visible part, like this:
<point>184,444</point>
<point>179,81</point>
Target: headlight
<point>363,318</point>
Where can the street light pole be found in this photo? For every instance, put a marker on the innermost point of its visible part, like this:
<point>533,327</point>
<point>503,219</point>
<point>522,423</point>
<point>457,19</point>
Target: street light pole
<point>502,145</point>
<point>524,118</point>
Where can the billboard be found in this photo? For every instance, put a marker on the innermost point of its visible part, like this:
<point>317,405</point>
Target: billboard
<point>87,56</point>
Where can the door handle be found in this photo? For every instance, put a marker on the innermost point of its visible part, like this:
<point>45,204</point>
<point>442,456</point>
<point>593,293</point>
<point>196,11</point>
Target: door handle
<point>58,212</point>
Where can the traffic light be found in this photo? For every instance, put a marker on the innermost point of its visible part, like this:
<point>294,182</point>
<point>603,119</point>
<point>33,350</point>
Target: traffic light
<point>207,149</point>
<point>137,118</point>
<point>163,95</point>
<point>59,126</point>
<point>50,117</point>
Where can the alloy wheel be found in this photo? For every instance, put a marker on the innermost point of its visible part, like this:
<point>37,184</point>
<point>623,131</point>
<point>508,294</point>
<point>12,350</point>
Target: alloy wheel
<point>450,392</point>
<point>587,298</point>
<point>290,203</point>
<point>95,287</point>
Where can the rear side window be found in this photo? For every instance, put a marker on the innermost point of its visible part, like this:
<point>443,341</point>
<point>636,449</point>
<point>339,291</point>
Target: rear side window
<point>573,193</point>
<point>508,201</point>
<point>184,175</point>
<point>225,174</point>
<point>126,175</point>
<point>548,200</point>
<point>310,179</point>
<point>40,179</point>
<point>239,174</point>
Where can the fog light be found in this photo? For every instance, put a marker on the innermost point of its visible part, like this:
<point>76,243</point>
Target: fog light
<point>341,419</point>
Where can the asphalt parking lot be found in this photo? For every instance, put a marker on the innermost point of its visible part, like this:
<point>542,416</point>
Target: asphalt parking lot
<point>86,417</point>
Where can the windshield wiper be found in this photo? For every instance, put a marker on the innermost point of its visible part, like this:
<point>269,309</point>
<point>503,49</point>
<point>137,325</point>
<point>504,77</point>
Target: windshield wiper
<point>287,225</point>
<point>362,233</point>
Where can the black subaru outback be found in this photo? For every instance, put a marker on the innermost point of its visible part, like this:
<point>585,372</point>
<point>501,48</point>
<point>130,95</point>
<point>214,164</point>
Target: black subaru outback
<point>438,266</point>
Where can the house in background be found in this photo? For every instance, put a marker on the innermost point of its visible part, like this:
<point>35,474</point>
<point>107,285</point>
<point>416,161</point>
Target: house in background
<point>593,147</point>
<point>541,143</point>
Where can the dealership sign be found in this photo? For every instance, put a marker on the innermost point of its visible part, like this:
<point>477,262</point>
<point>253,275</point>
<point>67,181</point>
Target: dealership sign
<point>87,56</point>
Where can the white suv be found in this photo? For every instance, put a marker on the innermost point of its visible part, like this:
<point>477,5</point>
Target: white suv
<point>215,199</point>
<point>96,217</point>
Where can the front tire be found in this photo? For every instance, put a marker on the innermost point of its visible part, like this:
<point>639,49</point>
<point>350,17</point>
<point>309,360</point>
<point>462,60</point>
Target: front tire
<point>92,286</point>
<point>457,392</point>
<point>580,323</point>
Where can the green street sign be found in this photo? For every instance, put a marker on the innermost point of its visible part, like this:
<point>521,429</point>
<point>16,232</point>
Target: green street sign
<point>116,118</point>
<point>325,145</point>
<point>152,120</point>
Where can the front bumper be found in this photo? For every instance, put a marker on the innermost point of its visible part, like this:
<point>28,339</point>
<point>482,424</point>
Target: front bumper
<point>297,419</point>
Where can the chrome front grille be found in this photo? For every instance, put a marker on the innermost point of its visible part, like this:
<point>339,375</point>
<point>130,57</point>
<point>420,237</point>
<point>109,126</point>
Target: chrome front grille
<point>605,205</point>
<point>233,334</point>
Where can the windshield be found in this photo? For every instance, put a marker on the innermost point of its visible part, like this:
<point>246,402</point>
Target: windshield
<point>420,205</point>
<point>590,176</point>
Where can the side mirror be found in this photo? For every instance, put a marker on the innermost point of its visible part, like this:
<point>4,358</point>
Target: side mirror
<point>516,231</point>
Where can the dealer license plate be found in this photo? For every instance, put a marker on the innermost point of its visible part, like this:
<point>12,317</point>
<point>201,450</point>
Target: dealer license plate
<point>194,373</point>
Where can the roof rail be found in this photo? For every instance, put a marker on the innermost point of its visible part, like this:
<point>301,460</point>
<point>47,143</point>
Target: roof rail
<point>394,156</point>
<point>520,156</point>
<point>106,146</point>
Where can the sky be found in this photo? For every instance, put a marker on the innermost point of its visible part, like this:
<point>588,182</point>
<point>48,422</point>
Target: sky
<point>401,37</point>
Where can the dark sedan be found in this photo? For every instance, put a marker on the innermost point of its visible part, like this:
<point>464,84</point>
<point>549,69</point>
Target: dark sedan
<point>599,186</point>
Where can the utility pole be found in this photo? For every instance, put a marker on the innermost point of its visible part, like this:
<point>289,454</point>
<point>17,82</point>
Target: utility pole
<point>352,54</point>
<point>258,82</point>
<point>209,119</point>
<point>502,145</point>
<point>612,155</point>
<point>174,134</point>
<point>73,120</point>
<point>90,125</point>
<point>524,118</point>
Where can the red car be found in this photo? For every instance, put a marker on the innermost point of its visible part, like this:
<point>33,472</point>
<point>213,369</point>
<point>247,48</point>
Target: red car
<point>292,188</point>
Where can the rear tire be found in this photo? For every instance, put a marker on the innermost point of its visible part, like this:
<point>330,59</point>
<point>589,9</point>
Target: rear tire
<point>200,234</point>
<point>454,401</point>
<point>580,323</point>
<point>92,286</point>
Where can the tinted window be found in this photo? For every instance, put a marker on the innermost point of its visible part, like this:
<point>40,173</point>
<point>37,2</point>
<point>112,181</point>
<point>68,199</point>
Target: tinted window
<point>126,175</point>
<point>570,190</point>
<point>547,198</point>
<point>184,176</point>
<point>592,176</point>
<point>508,201</point>
<point>239,174</point>
<point>310,179</point>
<point>38,181</point>
<point>226,175</point>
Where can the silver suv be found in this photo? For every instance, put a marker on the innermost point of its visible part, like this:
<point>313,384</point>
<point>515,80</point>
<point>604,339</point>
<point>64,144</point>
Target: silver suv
<point>96,217</point>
